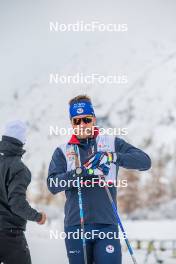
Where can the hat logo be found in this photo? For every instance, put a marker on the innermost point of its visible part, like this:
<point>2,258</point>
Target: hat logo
<point>80,110</point>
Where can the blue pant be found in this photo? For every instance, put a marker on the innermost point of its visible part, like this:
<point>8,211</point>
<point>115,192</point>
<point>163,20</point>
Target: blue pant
<point>102,244</point>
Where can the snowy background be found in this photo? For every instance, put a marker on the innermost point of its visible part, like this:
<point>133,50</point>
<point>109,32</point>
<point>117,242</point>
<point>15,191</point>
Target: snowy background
<point>146,105</point>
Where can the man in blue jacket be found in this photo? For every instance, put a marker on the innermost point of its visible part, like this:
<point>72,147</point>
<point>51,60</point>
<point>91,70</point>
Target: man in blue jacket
<point>104,154</point>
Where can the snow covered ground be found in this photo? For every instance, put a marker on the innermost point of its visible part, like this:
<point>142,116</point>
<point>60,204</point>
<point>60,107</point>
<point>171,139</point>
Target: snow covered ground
<point>45,250</point>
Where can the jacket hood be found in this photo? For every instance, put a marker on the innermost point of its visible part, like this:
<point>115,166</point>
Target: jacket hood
<point>10,146</point>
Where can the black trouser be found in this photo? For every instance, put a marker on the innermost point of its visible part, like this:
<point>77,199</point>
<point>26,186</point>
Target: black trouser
<point>14,248</point>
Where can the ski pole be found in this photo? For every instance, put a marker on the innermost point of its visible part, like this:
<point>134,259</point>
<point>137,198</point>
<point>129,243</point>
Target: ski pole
<point>120,223</point>
<point>81,210</point>
<point>82,222</point>
<point>117,217</point>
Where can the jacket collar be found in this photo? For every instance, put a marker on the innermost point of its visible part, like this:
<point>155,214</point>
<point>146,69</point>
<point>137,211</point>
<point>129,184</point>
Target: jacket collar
<point>75,140</point>
<point>12,140</point>
<point>11,146</point>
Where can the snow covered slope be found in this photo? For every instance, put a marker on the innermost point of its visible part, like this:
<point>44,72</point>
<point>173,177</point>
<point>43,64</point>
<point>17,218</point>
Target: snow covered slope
<point>146,54</point>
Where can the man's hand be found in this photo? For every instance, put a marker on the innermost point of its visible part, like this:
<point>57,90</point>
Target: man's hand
<point>103,169</point>
<point>100,158</point>
<point>43,219</point>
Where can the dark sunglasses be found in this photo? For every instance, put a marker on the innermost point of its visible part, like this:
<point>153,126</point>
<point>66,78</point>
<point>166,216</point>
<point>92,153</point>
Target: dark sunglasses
<point>86,120</point>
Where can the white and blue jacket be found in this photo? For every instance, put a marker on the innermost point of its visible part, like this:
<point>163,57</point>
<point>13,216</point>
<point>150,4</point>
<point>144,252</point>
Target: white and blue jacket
<point>97,208</point>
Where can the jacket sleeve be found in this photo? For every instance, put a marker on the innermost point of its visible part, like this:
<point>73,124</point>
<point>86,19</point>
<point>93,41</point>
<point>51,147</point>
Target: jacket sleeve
<point>59,179</point>
<point>131,157</point>
<point>17,188</point>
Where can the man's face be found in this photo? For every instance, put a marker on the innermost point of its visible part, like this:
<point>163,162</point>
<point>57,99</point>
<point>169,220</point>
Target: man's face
<point>83,125</point>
